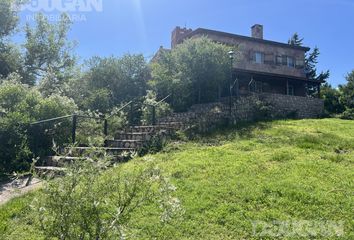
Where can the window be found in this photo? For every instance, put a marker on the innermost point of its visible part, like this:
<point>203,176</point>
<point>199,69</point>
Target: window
<point>279,60</point>
<point>300,63</point>
<point>259,87</point>
<point>291,90</point>
<point>258,57</point>
<point>290,62</point>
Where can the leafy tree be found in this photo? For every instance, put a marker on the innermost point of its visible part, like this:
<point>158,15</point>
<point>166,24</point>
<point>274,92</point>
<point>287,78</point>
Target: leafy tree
<point>22,105</point>
<point>331,98</point>
<point>8,17</point>
<point>10,56</point>
<point>111,80</point>
<point>347,90</point>
<point>47,50</point>
<point>193,72</point>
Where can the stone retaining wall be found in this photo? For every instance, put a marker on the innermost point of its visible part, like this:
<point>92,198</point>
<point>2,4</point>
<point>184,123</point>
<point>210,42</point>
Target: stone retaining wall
<point>280,106</point>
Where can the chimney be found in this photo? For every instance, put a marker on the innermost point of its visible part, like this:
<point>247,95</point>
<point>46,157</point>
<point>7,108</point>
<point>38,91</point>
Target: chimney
<point>257,31</point>
<point>178,34</point>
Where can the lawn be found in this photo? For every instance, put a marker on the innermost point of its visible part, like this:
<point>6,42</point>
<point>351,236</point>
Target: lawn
<point>285,171</point>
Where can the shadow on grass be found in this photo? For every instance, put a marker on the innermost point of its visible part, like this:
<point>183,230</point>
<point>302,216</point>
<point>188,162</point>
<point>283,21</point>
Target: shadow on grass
<point>242,130</point>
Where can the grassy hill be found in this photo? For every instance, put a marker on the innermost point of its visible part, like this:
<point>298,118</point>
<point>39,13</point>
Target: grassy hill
<point>275,171</point>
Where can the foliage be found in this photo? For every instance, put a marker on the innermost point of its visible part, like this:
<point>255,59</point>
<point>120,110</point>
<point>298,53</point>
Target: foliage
<point>8,17</point>
<point>275,171</point>
<point>21,106</point>
<point>311,60</point>
<point>310,67</point>
<point>88,203</point>
<point>48,53</point>
<point>162,109</point>
<point>10,59</point>
<point>263,110</point>
<point>331,97</point>
<point>295,40</point>
<point>347,90</point>
<point>197,70</point>
<point>348,114</point>
<point>108,82</point>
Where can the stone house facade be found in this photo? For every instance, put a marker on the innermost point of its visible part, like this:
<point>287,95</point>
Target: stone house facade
<point>262,66</point>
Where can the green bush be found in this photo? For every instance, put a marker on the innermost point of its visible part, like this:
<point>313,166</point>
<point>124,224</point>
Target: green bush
<point>348,114</point>
<point>19,141</point>
<point>162,109</point>
<point>88,204</point>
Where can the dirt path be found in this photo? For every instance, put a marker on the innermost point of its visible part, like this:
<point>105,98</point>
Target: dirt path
<point>17,188</point>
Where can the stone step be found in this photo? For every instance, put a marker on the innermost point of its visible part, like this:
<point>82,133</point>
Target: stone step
<point>148,129</point>
<point>61,161</point>
<point>87,151</point>
<point>49,171</point>
<point>142,136</point>
<point>135,144</point>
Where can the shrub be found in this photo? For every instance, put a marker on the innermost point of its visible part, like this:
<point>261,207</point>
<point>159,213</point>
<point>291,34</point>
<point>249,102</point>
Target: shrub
<point>18,140</point>
<point>86,204</point>
<point>162,109</point>
<point>263,110</point>
<point>348,114</point>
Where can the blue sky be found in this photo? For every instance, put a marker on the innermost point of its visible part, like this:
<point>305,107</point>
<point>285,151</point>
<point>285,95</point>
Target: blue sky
<point>141,26</point>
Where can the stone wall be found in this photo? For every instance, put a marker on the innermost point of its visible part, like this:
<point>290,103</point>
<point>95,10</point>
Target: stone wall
<point>280,106</point>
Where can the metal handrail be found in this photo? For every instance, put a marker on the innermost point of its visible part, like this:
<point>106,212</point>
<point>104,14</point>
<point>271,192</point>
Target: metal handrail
<point>154,109</point>
<point>120,109</point>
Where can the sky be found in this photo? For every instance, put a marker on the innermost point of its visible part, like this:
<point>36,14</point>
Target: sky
<point>117,27</point>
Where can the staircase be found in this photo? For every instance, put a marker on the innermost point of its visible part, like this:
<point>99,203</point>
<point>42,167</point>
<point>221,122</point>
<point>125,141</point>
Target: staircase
<point>133,138</point>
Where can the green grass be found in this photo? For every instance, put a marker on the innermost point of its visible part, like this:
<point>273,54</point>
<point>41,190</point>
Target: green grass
<point>283,170</point>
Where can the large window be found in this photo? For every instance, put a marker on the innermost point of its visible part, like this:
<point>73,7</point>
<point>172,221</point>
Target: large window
<point>290,61</point>
<point>258,57</point>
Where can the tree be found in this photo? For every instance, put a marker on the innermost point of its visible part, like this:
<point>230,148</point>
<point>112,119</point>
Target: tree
<point>295,40</point>
<point>10,55</point>
<point>112,80</point>
<point>311,60</point>
<point>22,105</point>
<point>48,50</point>
<point>331,98</point>
<point>195,71</point>
<point>347,90</point>
<point>8,17</point>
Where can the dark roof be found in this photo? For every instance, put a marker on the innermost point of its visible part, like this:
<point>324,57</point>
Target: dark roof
<point>231,35</point>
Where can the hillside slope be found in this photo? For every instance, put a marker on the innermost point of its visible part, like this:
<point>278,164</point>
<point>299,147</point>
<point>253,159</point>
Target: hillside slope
<point>288,171</point>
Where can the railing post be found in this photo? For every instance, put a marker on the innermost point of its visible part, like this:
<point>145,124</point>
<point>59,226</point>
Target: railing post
<point>153,115</point>
<point>131,118</point>
<point>105,127</point>
<point>73,130</point>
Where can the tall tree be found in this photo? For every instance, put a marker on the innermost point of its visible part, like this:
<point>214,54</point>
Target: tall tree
<point>311,60</point>
<point>10,56</point>
<point>48,50</point>
<point>8,17</point>
<point>295,40</point>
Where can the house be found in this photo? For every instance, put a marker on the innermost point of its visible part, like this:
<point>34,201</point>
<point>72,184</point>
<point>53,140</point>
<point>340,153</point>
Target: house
<point>263,66</point>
